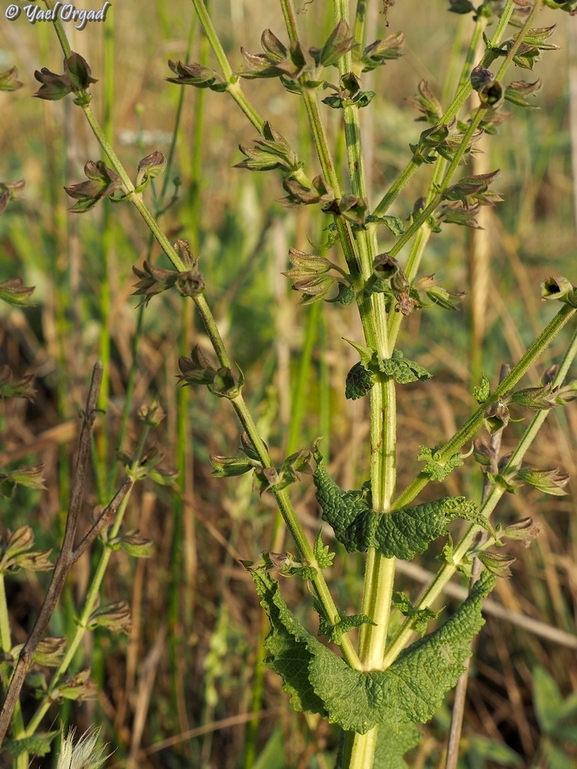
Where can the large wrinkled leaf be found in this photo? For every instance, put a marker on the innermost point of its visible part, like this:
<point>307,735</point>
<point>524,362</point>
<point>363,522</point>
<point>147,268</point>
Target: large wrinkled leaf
<point>408,692</point>
<point>400,534</point>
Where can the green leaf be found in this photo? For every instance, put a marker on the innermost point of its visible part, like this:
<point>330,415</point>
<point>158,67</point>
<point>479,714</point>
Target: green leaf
<point>37,745</point>
<point>443,298</point>
<point>78,687</point>
<point>339,508</point>
<point>406,532</point>
<point>400,534</point>
<point>48,652</point>
<point>367,353</point>
<point>570,6</point>
<point>497,563</point>
<point>114,616</point>
<point>517,92</point>
<point>226,383</point>
<point>7,193</point>
<point>482,392</point>
<point>393,223</point>
<point>359,382</point>
<point>557,758</point>
<point>287,647</point>
<point>402,369</point>
<point>322,553</point>
<point>53,87</point>
<point>547,699</point>
<point>420,617</point>
<point>196,75</point>
<point>347,623</point>
<point>360,99</point>
<point>381,51</point>
<point>547,481</point>
<point>345,296</point>
<point>436,469</point>
<point>17,553</point>
<point>273,754</point>
<point>550,708</point>
<point>470,187</point>
<point>31,477</point>
<point>427,103</point>
<point>102,182</point>
<point>538,398</point>
<point>409,691</point>
<point>9,388</point>
<point>79,72</point>
<point>227,467</point>
<point>413,687</point>
<point>136,545</point>
<point>557,287</point>
<point>392,746</point>
<point>461,6</point>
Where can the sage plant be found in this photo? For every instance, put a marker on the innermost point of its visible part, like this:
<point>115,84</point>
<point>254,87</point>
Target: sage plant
<point>378,690</point>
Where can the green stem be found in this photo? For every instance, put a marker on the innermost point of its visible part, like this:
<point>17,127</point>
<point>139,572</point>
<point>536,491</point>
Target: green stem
<point>422,238</point>
<point>411,269</point>
<point>5,636</point>
<point>290,20</point>
<point>422,218</point>
<point>283,501</point>
<point>322,148</point>
<point>232,80</point>
<point>360,22</point>
<point>463,93</point>
<point>474,124</point>
<point>17,725</point>
<point>310,101</point>
<point>285,506</point>
<point>299,396</point>
<point>358,750</point>
<point>464,545</point>
<point>90,603</point>
<point>320,138</point>
<point>470,428</point>
<point>64,44</point>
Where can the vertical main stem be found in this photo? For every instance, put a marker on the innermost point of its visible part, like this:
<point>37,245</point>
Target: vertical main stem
<point>359,750</point>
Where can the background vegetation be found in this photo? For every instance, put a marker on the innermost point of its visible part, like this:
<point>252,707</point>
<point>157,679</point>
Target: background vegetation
<point>179,688</point>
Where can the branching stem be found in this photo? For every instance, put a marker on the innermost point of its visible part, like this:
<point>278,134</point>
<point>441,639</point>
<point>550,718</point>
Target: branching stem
<point>462,548</point>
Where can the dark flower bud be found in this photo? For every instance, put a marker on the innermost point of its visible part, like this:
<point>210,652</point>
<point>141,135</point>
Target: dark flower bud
<point>196,75</point>
<point>102,182</point>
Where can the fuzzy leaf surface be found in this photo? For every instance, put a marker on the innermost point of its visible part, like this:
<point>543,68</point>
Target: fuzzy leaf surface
<point>408,531</point>
<point>392,746</point>
<point>400,534</point>
<point>435,469</point>
<point>339,508</point>
<point>409,691</point>
<point>402,369</point>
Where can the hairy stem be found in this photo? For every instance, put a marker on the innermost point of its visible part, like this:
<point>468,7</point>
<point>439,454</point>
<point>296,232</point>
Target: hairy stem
<point>463,546</point>
<point>463,93</point>
<point>472,425</point>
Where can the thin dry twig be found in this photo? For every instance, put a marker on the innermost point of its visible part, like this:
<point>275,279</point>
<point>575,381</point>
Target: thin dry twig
<point>68,554</point>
